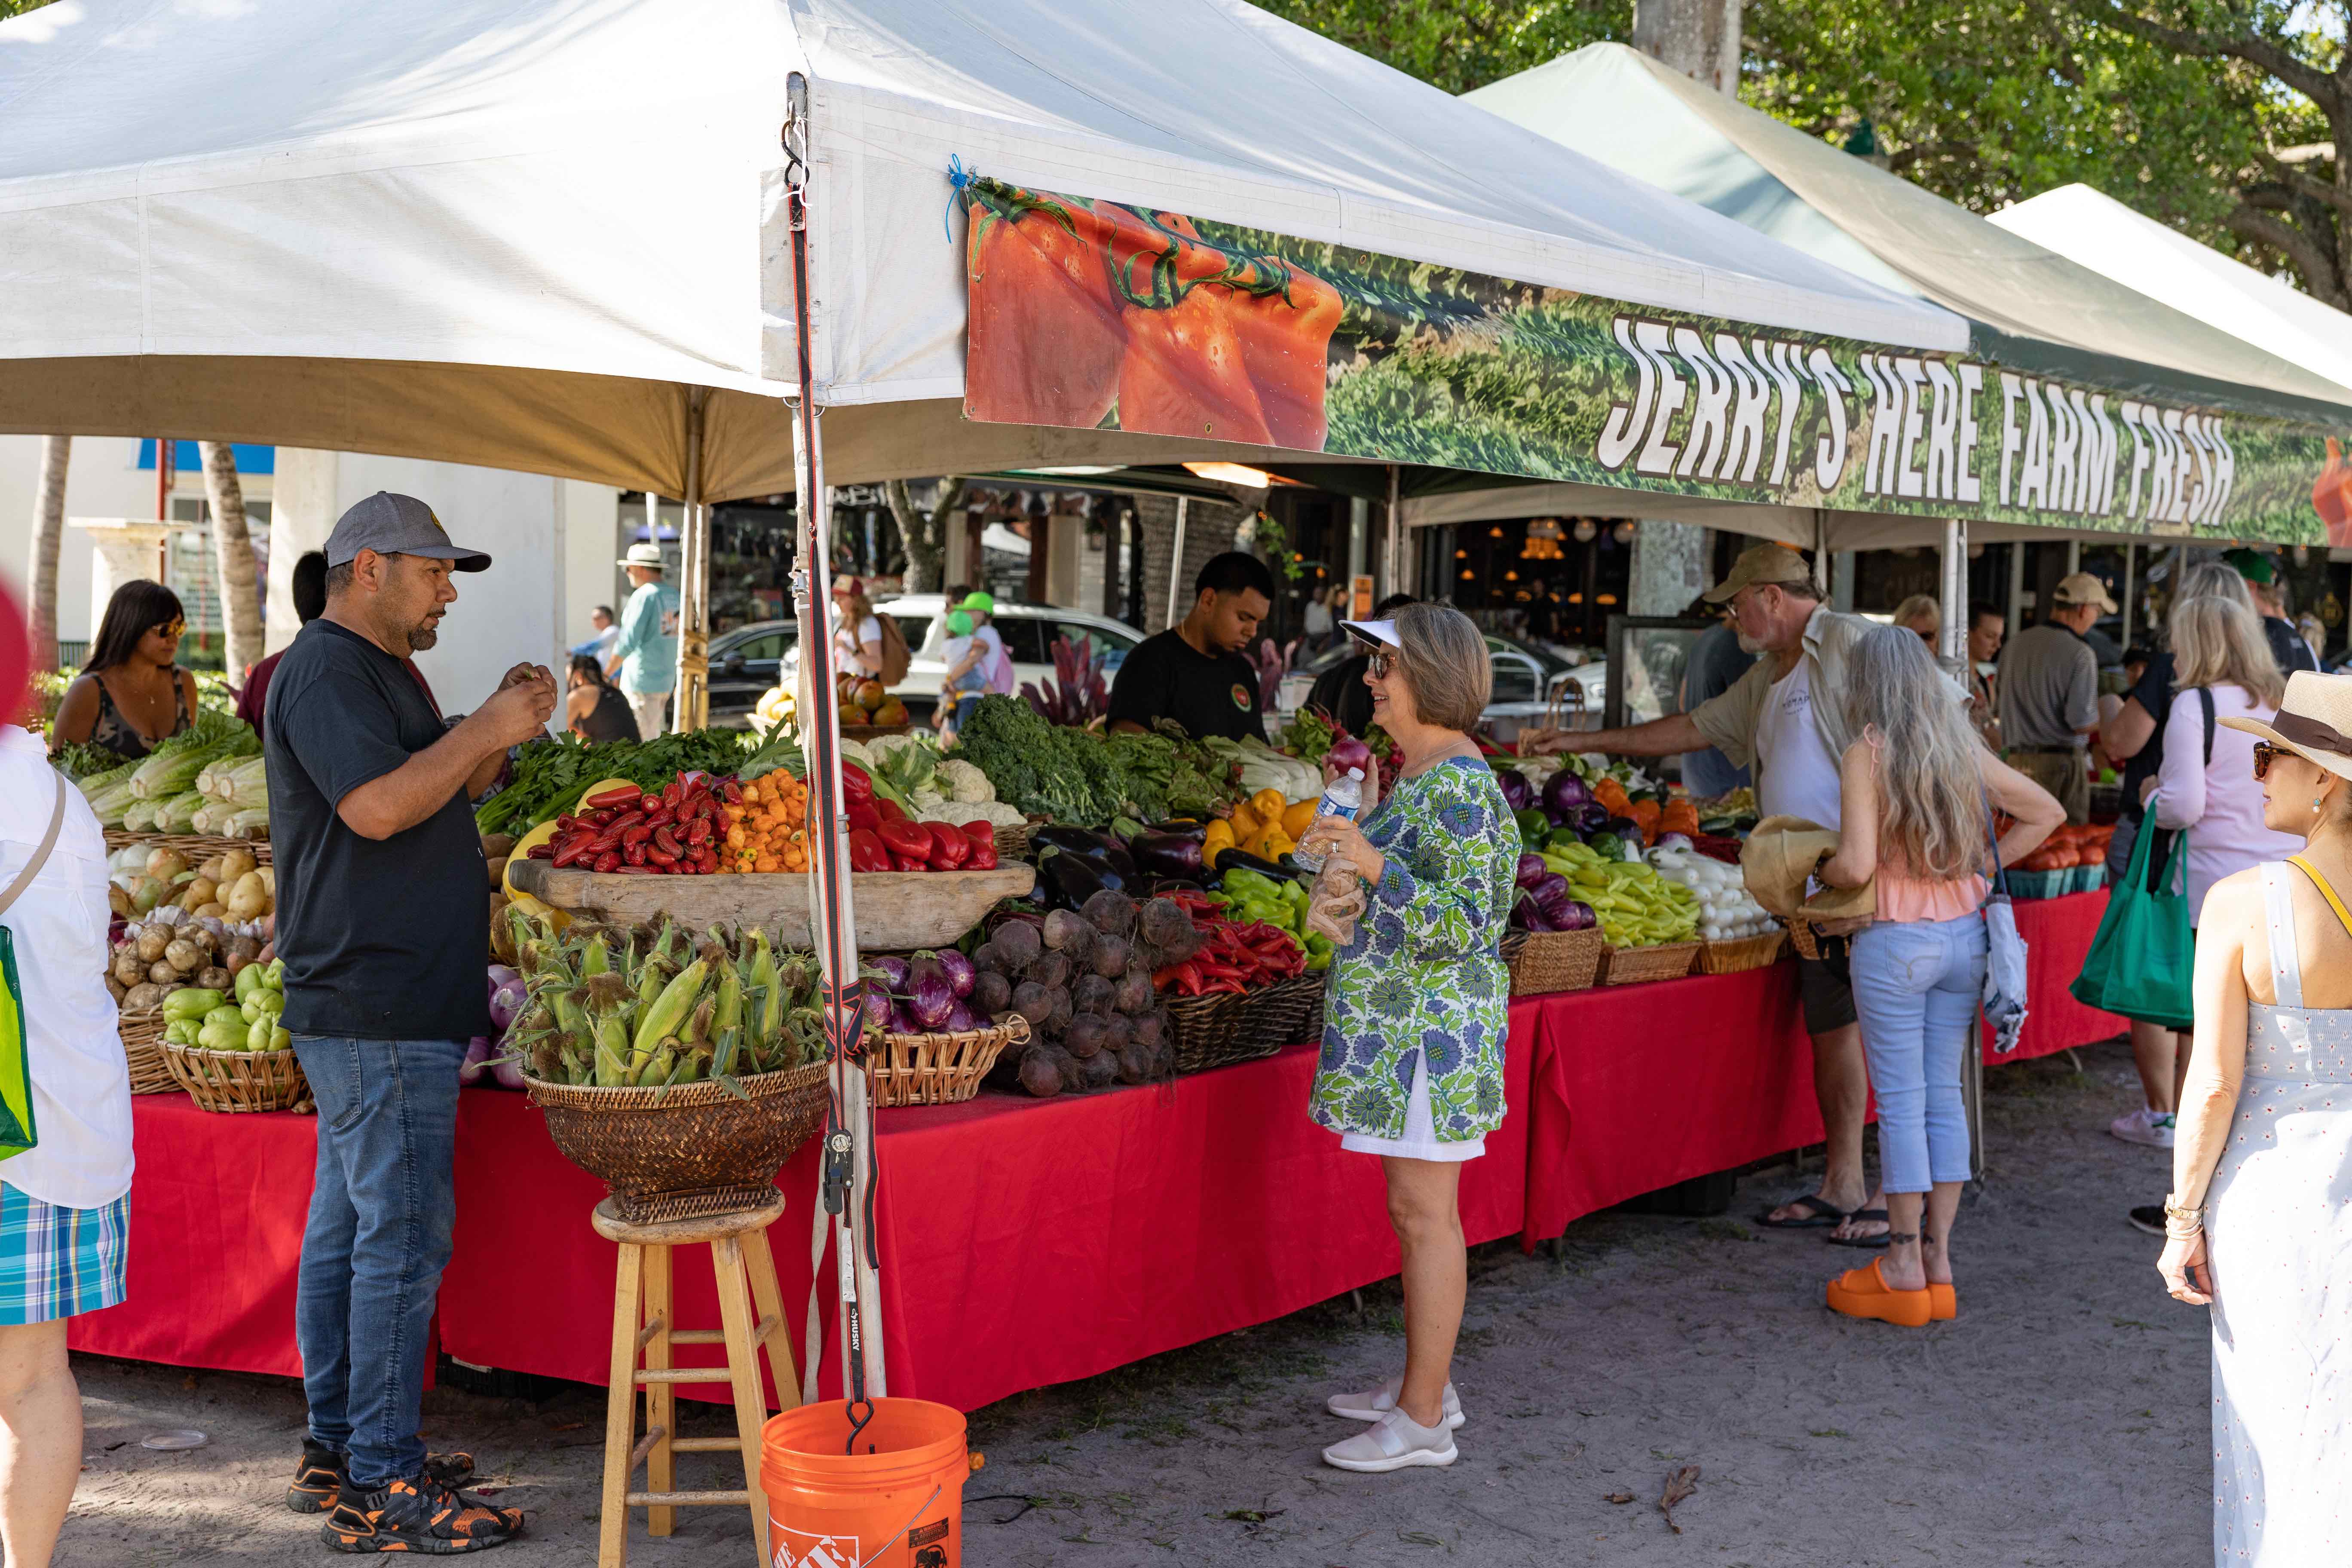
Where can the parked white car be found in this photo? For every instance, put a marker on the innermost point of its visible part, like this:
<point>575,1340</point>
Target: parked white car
<point>1029,632</point>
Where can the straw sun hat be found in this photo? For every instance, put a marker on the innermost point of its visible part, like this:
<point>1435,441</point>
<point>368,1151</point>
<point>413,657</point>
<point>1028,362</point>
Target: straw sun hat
<point>2314,722</point>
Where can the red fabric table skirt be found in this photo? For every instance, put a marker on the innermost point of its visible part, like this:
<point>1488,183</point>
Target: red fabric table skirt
<point>2058,934</point>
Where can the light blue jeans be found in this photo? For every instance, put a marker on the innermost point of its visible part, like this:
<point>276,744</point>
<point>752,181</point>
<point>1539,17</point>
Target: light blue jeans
<point>1917,988</point>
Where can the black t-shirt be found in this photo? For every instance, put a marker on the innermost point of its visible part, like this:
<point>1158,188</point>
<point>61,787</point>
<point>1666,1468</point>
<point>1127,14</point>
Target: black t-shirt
<point>2287,646</point>
<point>1164,677</point>
<point>1340,691</point>
<point>382,939</point>
<point>2153,693</point>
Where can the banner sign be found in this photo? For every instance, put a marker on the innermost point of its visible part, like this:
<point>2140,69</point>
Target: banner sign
<point>1090,314</point>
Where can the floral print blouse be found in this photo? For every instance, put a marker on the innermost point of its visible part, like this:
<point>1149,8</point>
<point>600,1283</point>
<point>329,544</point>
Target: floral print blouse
<point>1423,973</point>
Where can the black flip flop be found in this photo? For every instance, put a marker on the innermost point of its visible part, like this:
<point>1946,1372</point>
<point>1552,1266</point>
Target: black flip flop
<point>1820,1215</point>
<point>1867,1243</point>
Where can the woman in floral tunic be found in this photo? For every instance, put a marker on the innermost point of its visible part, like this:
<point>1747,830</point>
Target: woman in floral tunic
<point>1413,1051</point>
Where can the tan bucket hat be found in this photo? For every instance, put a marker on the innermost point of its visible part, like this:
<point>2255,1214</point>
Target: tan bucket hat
<point>1777,863</point>
<point>2314,722</point>
<point>1757,565</point>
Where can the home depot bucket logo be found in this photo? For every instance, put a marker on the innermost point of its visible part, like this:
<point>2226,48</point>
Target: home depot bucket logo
<point>799,1549</point>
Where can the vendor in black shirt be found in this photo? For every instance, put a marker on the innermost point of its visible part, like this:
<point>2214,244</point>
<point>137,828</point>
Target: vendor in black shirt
<point>1195,672</point>
<point>1340,693</point>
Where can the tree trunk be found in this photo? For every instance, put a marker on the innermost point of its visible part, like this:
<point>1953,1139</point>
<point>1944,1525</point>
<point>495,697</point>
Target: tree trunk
<point>923,531</point>
<point>1700,38</point>
<point>49,532</point>
<point>233,558</point>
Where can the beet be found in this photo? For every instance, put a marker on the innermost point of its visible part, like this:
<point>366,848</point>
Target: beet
<point>1149,1031</point>
<point>1074,1071</point>
<point>1118,1030</point>
<point>1111,912</point>
<point>1040,1074</point>
<point>1032,1002</point>
<point>1164,923</point>
<point>987,959</point>
<point>1112,955</point>
<point>1132,992</point>
<point>1090,993</point>
<point>991,992</point>
<point>1084,1037</point>
<point>1067,932</point>
<point>1102,1069</point>
<point>1063,1012</point>
<point>1019,943</point>
<point>1048,969</point>
<point>1134,1064</point>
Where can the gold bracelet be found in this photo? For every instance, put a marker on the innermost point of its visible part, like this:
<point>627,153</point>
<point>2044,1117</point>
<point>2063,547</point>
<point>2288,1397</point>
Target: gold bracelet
<point>2179,1211</point>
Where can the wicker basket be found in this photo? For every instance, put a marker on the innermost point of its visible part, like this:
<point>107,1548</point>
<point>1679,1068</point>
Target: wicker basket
<point>1633,965</point>
<point>1744,952</point>
<point>1289,1012</point>
<point>697,1148</point>
<point>195,848</point>
<point>941,1069</point>
<point>232,1082</point>
<point>143,1042</point>
<point>1543,962</point>
<point>1013,843</point>
<point>1212,1032</point>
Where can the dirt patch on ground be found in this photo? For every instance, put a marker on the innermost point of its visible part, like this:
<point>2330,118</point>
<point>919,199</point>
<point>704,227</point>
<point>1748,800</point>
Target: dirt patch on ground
<point>2062,1420</point>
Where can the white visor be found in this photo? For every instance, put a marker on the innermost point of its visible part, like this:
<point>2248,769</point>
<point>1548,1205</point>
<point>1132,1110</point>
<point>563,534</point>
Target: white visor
<point>1375,631</point>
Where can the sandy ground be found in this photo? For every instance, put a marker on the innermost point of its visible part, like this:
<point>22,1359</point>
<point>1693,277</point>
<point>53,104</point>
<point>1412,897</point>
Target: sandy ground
<point>2061,1420</point>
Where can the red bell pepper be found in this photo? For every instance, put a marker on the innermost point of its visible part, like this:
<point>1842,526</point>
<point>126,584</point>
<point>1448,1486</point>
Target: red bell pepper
<point>908,863</point>
<point>950,849</point>
<point>856,784</point>
<point>890,810</point>
<point>906,841</point>
<point>861,814</point>
<point>865,852</point>
<point>981,836</point>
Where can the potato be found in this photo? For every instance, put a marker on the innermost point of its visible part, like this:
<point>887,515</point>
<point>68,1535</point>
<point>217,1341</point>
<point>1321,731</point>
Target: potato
<point>497,870</point>
<point>215,911</point>
<point>269,875</point>
<point>234,864</point>
<point>244,947</point>
<point>248,899</point>
<point>497,844</point>
<point>202,891</point>
<point>184,956</point>
<point>212,870</point>
<point>128,966</point>
<point>215,979</point>
<point>152,942</point>
<point>116,989</point>
<point>160,972</point>
<point>165,864</point>
<point>235,963</point>
<point>140,998</point>
<point>117,902</point>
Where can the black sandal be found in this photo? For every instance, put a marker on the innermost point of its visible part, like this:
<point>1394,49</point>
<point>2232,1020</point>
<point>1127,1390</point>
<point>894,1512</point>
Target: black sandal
<point>1868,1243</point>
<point>1820,1215</point>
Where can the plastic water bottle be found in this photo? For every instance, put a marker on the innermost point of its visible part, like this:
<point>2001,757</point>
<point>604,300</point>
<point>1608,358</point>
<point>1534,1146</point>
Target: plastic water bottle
<point>1341,798</point>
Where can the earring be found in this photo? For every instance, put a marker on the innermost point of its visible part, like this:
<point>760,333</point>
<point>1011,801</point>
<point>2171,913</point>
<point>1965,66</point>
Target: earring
<point>2315,805</point>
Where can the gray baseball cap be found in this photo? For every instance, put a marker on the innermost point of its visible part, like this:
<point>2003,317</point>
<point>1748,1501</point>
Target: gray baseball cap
<point>397,525</point>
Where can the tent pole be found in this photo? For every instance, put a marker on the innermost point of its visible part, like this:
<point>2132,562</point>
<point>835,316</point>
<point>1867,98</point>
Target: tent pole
<point>847,1187</point>
<point>1176,565</point>
<point>1956,591</point>
<point>1392,566</point>
<point>691,710</point>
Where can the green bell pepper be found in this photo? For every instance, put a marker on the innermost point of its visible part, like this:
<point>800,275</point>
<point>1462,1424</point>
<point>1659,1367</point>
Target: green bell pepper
<point>1533,827</point>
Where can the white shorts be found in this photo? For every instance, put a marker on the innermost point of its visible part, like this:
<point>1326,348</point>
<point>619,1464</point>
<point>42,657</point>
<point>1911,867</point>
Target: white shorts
<point>1419,1141</point>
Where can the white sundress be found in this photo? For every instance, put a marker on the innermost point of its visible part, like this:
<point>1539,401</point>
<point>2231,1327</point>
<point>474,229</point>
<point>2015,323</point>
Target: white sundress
<point>2279,1238</point>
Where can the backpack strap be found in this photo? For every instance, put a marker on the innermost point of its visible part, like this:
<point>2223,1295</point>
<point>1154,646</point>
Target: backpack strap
<point>2205,700</point>
<point>48,842</point>
<point>2326,891</point>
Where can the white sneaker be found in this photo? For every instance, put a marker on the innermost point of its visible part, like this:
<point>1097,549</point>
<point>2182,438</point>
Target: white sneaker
<point>1381,1400</point>
<point>1396,1442</point>
<point>2152,1128</point>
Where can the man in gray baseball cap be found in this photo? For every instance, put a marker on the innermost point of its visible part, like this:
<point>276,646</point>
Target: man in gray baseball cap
<point>382,926</point>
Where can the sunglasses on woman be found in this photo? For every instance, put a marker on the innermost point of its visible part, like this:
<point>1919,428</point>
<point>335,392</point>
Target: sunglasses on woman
<point>175,630</point>
<point>2265,755</point>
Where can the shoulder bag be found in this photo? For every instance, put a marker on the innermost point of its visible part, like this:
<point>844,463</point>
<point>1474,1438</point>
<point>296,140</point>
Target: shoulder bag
<point>17,1131</point>
<point>2005,986</point>
<point>2142,961</point>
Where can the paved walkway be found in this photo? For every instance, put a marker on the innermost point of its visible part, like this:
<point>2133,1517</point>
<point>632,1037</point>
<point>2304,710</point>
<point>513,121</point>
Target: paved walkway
<point>2060,1421</point>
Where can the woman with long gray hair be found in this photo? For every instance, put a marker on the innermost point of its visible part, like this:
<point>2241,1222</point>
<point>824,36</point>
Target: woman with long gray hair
<point>1917,826</point>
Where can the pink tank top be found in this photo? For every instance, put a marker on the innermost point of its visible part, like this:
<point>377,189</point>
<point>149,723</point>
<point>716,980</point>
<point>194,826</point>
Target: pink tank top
<point>1906,898</point>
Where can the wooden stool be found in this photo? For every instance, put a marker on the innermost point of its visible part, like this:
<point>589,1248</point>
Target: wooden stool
<point>641,1322</point>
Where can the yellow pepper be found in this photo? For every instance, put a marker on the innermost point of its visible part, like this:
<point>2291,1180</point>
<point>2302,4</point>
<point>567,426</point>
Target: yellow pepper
<point>1298,817</point>
<point>1267,805</point>
<point>1216,841</point>
<point>1244,821</point>
<point>1271,843</point>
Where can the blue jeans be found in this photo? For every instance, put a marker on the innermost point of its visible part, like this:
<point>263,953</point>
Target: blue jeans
<point>381,1212</point>
<point>1917,988</point>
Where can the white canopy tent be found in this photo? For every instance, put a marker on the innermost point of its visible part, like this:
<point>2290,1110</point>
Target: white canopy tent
<point>2093,229</point>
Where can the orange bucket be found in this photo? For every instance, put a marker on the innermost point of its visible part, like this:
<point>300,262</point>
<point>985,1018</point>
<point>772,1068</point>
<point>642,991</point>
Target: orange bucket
<point>896,1502</point>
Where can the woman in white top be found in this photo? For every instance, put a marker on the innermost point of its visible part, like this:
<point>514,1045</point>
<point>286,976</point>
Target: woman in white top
<point>2220,656</point>
<point>2257,1226</point>
<point>65,1204</point>
<point>857,630</point>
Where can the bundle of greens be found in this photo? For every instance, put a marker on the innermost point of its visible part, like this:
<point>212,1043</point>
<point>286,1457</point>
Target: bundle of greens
<point>1169,774</point>
<point>1045,769</point>
<point>81,761</point>
<point>621,1008</point>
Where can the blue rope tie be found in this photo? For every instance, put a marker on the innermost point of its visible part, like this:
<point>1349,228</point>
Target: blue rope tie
<point>958,178</point>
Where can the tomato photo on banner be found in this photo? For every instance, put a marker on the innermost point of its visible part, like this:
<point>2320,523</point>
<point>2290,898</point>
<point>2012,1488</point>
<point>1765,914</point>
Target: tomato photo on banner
<point>1111,316</point>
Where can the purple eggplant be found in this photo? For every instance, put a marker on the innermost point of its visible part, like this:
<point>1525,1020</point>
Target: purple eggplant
<point>1577,915</point>
<point>1590,817</point>
<point>893,971</point>
<point>478,1060</point>
<point>958,1019</point>
<point>1175,854</point>
<point>1549,889</point>
<point>1517,792</point>
<point>901,1021</point>
<point>960,973</point>
<point>1564,794</point>
<point>929,994</point>
<point>1532,870</point>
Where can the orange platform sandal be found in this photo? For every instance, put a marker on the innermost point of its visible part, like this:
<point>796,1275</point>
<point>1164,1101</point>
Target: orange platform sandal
<point>1865,1293</point>
<point>1943,1306</point>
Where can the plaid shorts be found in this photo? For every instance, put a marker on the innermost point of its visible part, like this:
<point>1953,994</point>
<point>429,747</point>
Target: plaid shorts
<point>57,1262</point>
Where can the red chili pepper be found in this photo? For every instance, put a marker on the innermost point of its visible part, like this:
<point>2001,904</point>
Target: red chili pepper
<point>539,852</point>
<point>705,859</point>
<point>625,869</point>
<point>659,815</point>
<point>905,840</point>
<point>596,819</point>
<point>666,842</point>
<point>648,804</point>
<point>607,861</point>
<point>656,856</point>
<point>731,791</point>
<point>637,835</point>
<point>670,793</point>
<point>573,849</point>
<point>865,852</point>
<point>564,823</point>
<point>619,796</point>
<point>698,831</point>
<point>635,854</point>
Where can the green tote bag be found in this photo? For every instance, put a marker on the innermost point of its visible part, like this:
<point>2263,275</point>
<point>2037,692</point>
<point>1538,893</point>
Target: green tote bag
<point>2141,959</point>
<point>17,1131</point>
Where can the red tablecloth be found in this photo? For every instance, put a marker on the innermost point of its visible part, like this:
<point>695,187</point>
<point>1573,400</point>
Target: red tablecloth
<point>2058,934</point>
<point>1027,1243</point>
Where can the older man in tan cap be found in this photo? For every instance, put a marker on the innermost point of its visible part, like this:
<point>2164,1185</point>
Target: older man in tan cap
<point>2050,694</point>
<point>1784,719</point>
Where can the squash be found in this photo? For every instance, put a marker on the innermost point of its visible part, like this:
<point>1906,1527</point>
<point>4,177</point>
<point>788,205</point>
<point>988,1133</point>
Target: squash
<point>543,834</point>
